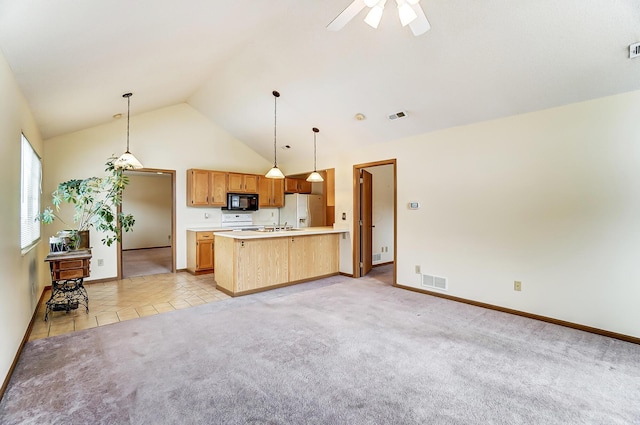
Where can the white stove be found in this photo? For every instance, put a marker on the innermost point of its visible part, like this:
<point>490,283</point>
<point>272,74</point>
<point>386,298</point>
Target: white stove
<point>238,222</point>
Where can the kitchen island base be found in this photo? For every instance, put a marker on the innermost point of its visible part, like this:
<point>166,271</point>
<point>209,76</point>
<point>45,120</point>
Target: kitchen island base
<point>254,262</point>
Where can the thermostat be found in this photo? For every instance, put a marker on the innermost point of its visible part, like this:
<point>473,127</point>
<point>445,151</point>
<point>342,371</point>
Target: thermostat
<point>414,205</point>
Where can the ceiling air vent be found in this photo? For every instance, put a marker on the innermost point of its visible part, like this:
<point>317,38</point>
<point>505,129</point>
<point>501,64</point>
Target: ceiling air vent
<point>634,50</point>
<point>397,115</point>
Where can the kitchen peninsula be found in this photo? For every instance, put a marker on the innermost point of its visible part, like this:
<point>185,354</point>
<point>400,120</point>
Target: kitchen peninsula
<point>253,261</point>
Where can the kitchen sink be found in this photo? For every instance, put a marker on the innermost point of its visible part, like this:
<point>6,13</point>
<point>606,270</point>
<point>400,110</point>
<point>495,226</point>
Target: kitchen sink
<point>278,229</point>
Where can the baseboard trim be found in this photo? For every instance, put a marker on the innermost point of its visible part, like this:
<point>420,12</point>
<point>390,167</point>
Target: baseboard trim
<point>603,332</point>
<point>346,274</point>
<point>383,264</point>
<point>268,288</point>
<point>5,384</point>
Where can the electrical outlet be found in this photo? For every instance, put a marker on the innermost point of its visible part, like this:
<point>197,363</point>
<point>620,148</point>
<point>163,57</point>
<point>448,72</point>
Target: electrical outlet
<point>418,269</point>
<point>206,216</point>
<point>517,285</point>
<point>100,262</point>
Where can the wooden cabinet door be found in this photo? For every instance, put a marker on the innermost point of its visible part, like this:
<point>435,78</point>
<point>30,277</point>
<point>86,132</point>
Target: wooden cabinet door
<point>277,195</point>
<point>260,263</point>
<point>197,188</point>
<point>264,192</point>
<point>251,183</point>
<point>271,193</point>
<point>204,255</point>
<point>236,182</point>
<point>290,185</point>
<point>312,256</point>
<point>204,251</point>
<point>304,186</point>
<point>217,188</point>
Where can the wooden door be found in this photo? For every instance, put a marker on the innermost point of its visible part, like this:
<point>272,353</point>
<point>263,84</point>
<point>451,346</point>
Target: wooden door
<point>366,214</point>
<point>204,255</point>
<point>265,192</point>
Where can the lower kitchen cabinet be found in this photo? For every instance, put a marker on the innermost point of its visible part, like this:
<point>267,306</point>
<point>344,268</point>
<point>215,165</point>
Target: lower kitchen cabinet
<point>200,252</point>
<point>244,266</point>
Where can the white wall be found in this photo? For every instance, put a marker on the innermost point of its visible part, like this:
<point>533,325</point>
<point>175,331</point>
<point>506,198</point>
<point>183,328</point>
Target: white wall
<point>149,198</point>
<point>550,198</point>
<point>172,138</point>
<point>21,276</point>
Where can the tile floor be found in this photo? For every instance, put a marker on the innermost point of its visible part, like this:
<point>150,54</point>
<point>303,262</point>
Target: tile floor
<point>119,300</point>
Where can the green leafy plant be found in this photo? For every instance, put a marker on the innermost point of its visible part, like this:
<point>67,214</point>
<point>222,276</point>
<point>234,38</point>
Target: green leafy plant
<point>95,201</point>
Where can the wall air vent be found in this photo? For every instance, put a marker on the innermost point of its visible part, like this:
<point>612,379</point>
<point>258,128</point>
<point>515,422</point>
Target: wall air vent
<point>397,115</point>
<point>434,282</point>
<point>377,257</point>
<point>634,50</point>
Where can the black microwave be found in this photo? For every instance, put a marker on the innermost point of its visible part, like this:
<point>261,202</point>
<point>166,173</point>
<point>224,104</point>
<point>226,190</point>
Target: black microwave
<point>242,202</point>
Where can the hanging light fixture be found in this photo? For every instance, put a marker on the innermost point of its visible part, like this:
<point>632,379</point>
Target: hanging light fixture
<point>275,172</point>
<point>127,160</point>
<point>314,177</point>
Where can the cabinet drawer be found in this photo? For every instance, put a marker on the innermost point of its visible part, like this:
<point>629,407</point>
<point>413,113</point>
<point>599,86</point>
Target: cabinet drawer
<point>70,274</point>
<point>70,264</point>
<point>204,236</point>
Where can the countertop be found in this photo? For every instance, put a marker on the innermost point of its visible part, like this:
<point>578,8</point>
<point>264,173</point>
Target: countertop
<point>250,234</point>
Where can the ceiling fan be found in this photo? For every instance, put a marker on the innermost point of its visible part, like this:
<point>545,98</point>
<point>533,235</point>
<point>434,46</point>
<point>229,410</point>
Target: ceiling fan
<point>409,11</point>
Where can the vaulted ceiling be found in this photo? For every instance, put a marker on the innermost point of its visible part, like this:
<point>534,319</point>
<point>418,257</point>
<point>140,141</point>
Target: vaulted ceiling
<point>480,60</point>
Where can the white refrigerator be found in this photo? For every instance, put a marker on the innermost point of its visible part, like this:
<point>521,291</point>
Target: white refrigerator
<point>301,210</point>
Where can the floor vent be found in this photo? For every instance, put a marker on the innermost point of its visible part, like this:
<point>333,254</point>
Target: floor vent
<point>377,257</point>
<point>436,282</point>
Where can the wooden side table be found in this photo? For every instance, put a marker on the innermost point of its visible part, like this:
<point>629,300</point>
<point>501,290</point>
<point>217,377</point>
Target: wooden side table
<point>68,270</point>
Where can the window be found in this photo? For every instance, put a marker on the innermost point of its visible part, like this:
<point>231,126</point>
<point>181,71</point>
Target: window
<point>31,169</point>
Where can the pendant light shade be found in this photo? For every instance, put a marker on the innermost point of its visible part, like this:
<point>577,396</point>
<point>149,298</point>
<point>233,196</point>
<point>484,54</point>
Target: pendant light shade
<point>315,177</point>
<point>275,173</point>
<point>127,160</point>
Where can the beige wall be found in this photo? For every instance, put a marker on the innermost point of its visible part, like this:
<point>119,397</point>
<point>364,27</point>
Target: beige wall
<point>550,198</point>
<point>21,276</point>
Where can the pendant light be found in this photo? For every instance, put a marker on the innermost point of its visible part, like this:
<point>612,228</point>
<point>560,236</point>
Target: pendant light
<point>315,177</point>
<point>275,172</point>
<point>127,160</point>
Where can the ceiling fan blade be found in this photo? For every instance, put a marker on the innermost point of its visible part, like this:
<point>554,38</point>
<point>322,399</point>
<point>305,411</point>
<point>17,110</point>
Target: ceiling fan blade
<point>420,25</point>
<point>346,15</point>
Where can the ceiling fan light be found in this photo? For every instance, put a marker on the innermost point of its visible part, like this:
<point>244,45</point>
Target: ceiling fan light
<point>407,14</point>
<point>274,173</point>
<point>374,16</point>
<point>315,177</point>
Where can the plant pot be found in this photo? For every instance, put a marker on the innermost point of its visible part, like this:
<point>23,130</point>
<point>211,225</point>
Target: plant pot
<point>83,240</point>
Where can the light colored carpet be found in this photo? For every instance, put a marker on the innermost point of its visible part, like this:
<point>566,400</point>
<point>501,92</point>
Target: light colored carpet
<point>335,351</point>
<point>145,262</point>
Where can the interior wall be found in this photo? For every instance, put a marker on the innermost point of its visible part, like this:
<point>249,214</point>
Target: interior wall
<point>550,198</point>
<point>22,276</point>
<point>149,198</point>
<point>382,176</point>
<point>173,138</point>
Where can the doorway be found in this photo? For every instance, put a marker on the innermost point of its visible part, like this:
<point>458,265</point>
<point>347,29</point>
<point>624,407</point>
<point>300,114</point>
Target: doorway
<point>375,216</point>
<point>150,248</point>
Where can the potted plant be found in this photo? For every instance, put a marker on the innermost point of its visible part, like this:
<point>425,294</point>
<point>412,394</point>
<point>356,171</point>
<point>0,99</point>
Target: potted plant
<point>95,200</point>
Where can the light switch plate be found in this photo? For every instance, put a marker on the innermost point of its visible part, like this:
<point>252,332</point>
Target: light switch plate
<point>414,205</point>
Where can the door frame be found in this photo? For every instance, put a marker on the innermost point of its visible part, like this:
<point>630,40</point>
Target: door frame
<point>172,174</point>
<point>357,248</point>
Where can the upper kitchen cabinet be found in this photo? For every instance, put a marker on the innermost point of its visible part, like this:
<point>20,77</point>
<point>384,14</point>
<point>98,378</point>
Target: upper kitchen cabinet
<point>292,185</point>
<point>271,193</point>
<point>243,183</point>
<point>206,188</point>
